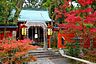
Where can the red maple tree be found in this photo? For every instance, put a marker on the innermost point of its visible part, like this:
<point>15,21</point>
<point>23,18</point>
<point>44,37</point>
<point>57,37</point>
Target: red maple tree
<point>81,21</point>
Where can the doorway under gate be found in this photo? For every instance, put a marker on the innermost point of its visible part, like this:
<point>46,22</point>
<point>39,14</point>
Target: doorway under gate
<point>36,34</point>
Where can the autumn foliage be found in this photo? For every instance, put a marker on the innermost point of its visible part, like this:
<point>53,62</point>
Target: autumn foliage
<point>85,2</point>
<point>16,51</point>
<point>80,20</point>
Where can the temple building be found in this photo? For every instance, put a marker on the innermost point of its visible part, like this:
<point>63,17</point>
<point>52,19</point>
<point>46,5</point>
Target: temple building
<point>32,24</point>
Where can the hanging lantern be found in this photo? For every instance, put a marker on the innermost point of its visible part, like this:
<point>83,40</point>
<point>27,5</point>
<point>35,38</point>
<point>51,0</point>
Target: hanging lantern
<point>36,35</point>
<point>24,31</point>
<point>49,31</point>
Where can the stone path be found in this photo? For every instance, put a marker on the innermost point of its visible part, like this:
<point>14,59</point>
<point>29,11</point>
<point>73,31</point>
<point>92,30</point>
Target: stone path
<point>42,61</point>
<point>50,61</point>
<point>60,61</point>
<point>47,57</point>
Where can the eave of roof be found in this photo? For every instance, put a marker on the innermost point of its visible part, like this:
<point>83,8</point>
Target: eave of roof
<point>8,26</point>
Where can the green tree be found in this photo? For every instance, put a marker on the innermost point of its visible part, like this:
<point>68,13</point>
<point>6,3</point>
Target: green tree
<point>9,11</point>
<point>33,3</point>
<point>51,5</point>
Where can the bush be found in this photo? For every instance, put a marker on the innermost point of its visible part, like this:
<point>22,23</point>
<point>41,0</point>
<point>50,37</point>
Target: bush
<point>16,51</point>
<point>73,49</point>
<point>90,56</point>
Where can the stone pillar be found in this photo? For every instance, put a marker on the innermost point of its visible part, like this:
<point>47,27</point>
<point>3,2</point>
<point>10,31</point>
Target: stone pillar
<point>45,38</point>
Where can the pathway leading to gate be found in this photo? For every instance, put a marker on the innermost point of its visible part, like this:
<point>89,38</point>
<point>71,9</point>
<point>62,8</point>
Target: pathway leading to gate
<point>47,57</point>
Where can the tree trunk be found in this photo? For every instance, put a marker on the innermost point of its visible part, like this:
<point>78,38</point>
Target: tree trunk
<point>5,29</point>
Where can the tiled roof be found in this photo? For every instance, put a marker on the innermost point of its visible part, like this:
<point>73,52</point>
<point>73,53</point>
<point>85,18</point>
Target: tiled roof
<point>34,16</point>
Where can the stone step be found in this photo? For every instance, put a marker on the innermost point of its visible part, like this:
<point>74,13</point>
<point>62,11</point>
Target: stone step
<point>41,53</point>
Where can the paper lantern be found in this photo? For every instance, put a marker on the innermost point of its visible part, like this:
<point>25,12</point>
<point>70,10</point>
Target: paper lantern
<point>24,31</point>
<point>49,31</point>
